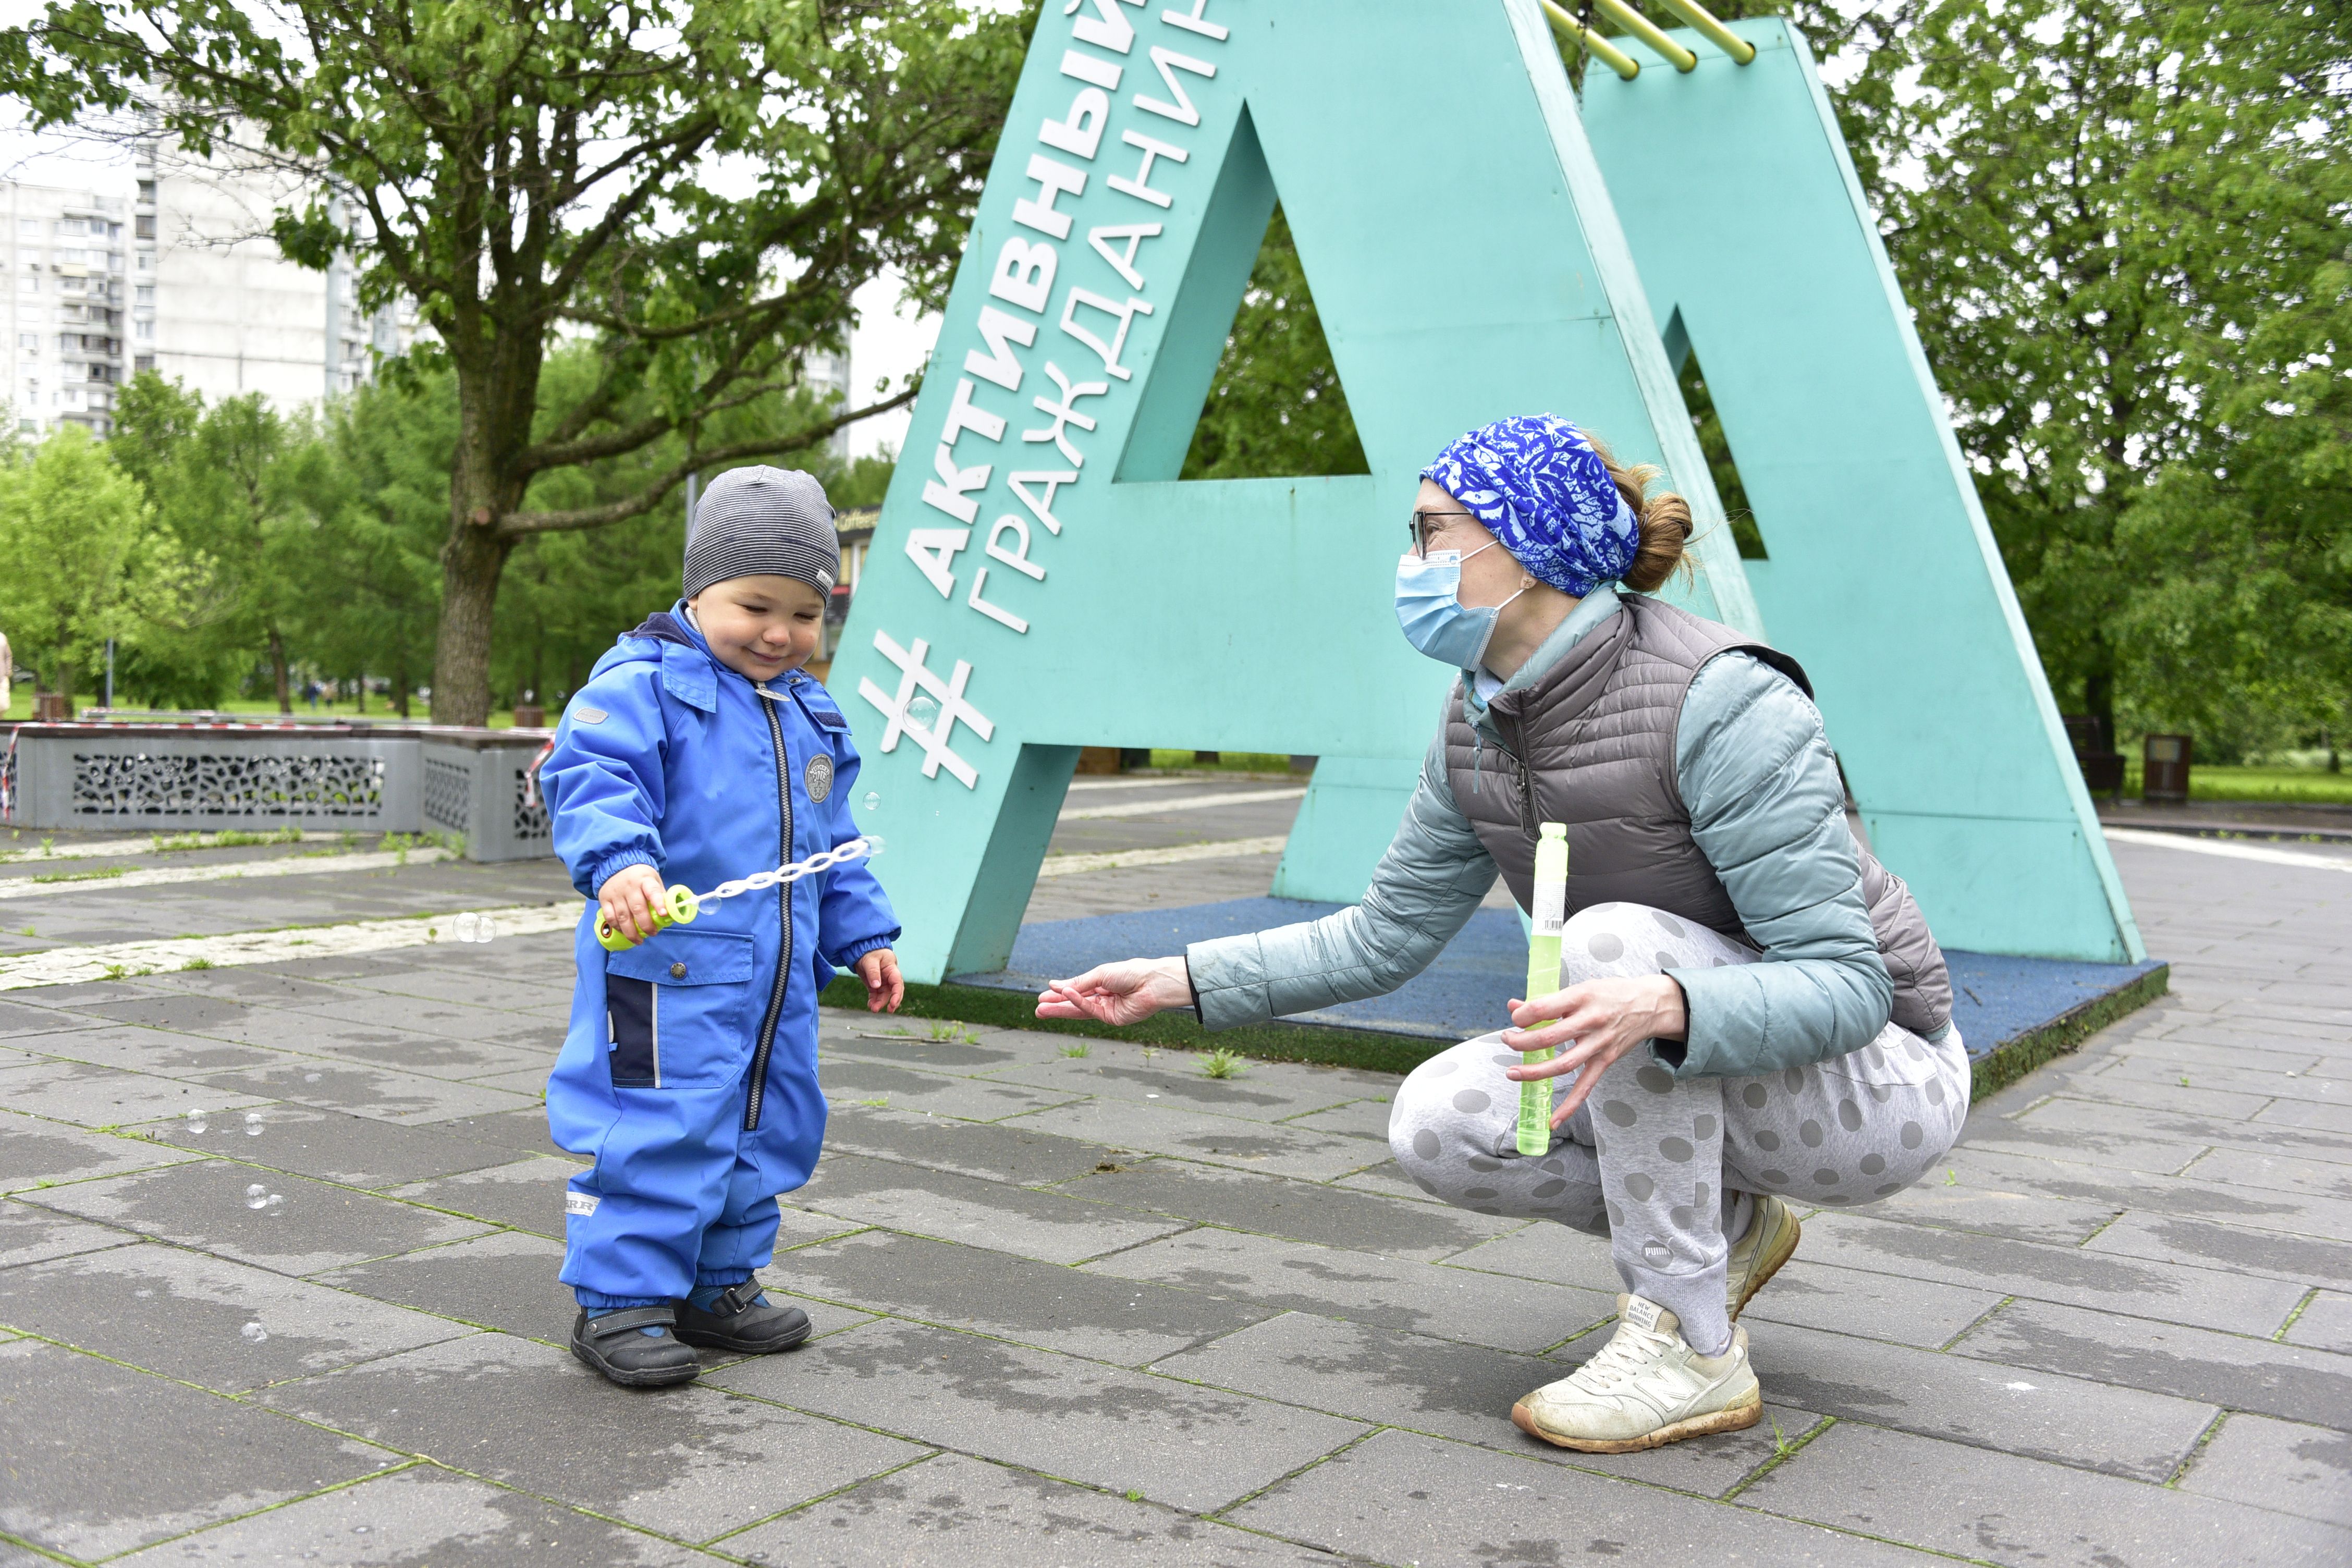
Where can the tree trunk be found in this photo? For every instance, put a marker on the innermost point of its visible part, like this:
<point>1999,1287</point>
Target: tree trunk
<point>361,687</point>
<point>2099,702</point>
<point>400,683</point>
<point>498,370</point>
<point>277,666</point>
<point>470,565</point>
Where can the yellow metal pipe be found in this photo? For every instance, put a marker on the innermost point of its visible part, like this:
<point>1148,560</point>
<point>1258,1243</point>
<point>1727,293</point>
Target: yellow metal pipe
<point>1721,36</point>
<point>1642,28</point>
<point>1618,60</point>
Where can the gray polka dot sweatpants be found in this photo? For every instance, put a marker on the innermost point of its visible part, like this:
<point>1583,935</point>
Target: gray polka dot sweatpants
<point>1666,1168</point>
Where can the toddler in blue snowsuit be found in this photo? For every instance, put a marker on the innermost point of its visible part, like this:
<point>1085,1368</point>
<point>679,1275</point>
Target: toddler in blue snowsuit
<point>698,752</point>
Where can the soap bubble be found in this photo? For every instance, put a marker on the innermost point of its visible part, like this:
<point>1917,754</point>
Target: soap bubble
<point>463,926</point>
<point>195,1122</point>
<point>276,1205</point>
<point>485,929</point>
<point>873,801</point>
<point>253,1124</point>
<point>257,1197</point>
<point>922,711</point>
<point>254,1333</point>
<point>875,844</point>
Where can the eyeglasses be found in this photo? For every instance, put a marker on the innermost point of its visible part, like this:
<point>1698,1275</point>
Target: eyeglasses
<point>1423,529</point>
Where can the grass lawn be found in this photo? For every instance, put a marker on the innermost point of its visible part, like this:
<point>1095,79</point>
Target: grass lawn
<point>2283,786</point>
<point>1227,761</point>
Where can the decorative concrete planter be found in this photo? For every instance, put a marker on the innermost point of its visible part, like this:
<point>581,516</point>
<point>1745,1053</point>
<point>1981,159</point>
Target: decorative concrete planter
<point>474,783</point>
<point>208,778</point>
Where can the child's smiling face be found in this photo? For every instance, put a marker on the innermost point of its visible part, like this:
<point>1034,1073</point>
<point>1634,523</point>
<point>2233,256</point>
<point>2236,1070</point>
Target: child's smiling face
<point>761,626</point>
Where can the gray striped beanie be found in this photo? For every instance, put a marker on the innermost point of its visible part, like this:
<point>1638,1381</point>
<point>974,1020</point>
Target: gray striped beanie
<point>759,521</point>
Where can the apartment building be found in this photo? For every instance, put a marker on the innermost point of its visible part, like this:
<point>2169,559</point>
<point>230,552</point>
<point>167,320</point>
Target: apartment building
<point>831,373</point>
<point>69,294</point>
<point>176,274</point>
<point>215,303</point>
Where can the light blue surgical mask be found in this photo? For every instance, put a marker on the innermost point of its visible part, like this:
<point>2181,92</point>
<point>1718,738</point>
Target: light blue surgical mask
<point>1433,617</point>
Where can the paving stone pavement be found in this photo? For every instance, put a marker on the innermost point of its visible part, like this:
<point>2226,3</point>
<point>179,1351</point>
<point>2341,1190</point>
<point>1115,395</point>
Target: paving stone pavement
<point>1096,1308</point>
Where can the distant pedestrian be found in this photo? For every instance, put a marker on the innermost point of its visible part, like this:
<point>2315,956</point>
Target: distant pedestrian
<point>698,752</point>
<point>1786,1011</point>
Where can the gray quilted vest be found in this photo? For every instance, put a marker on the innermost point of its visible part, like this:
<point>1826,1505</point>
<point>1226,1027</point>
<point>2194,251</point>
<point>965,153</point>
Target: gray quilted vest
<point>1593,745</point>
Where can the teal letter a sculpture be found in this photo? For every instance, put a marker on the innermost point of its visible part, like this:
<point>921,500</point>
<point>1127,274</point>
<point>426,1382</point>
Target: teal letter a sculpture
<point>1039,581</point>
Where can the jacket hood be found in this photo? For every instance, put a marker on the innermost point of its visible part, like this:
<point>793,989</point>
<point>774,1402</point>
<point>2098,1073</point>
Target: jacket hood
<point>663,626</point>
<point>690,671</point>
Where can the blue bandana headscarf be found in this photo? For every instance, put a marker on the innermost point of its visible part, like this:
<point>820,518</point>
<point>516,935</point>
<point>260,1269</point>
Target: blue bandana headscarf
<point>1536,480</point>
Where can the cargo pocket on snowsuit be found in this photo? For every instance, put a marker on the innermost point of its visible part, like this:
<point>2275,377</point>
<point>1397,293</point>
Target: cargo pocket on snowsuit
<point>675,1008</point>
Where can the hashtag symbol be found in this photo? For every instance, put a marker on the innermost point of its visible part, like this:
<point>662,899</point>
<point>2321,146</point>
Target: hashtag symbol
<point>915,676</point>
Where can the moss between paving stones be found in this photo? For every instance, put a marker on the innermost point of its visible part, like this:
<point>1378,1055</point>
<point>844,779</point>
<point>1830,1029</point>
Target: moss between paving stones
<point>1400,1054</point>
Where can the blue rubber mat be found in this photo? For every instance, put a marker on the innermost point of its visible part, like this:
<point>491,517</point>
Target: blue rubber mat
<point>1994,998</point>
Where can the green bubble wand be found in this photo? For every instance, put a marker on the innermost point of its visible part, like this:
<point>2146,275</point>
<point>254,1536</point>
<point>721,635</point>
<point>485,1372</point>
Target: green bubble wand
<point>1543,977</point>
<point>679,905</point>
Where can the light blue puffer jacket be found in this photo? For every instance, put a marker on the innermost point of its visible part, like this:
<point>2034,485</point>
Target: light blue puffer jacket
<point>1767,809</point>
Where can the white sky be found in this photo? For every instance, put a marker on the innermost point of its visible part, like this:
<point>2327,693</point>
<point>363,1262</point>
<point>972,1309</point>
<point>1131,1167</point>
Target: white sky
<point>890,343</point>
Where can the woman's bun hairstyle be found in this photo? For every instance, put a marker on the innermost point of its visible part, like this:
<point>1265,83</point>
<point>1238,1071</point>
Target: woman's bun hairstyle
<point>1664,520</point>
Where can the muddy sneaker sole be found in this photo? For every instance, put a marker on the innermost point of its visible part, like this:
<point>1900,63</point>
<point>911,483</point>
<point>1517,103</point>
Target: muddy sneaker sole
<point>1733,1418</point>
<point>1777,1249</point>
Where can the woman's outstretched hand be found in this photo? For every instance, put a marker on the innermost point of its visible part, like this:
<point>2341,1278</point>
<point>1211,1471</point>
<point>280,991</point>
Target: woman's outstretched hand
<point>1596,1022</point>
<point>1124,993</point>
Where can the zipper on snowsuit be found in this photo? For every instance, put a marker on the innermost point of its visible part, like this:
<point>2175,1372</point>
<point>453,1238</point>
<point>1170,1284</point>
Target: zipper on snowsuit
<point>759,1052</point>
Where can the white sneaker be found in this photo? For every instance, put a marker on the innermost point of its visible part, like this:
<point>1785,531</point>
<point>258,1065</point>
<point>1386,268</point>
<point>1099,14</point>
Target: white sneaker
<point>1771,1241</point>
<point>1645,1388</point>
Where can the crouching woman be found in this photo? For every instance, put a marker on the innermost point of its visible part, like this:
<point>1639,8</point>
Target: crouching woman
<point>1753,1018</point>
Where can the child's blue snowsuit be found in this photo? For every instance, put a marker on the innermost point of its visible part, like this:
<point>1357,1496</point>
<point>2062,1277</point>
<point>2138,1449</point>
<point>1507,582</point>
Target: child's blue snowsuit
<point>689,1071</point>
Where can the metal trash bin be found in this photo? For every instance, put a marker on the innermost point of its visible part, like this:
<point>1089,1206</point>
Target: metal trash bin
<point>2164,770</point>
<point>2101,764</point>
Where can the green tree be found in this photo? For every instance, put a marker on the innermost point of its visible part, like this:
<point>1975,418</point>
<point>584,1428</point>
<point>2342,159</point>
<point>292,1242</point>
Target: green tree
<point>860,482</point>
<point>2124,244</point>
<point>1276,406</point>
<point>373,559</point>
<point>2238,626</point>
<point>527,169</point>
<point>71,559</point>
<point>233,486</point>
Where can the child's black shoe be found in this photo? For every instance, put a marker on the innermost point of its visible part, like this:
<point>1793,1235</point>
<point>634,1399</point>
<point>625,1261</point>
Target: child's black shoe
<point>614,1345</point>
<point>742,1319</point>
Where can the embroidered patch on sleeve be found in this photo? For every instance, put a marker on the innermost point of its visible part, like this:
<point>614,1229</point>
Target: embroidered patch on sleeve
<point>819,776</point>
<point>588,715</point>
